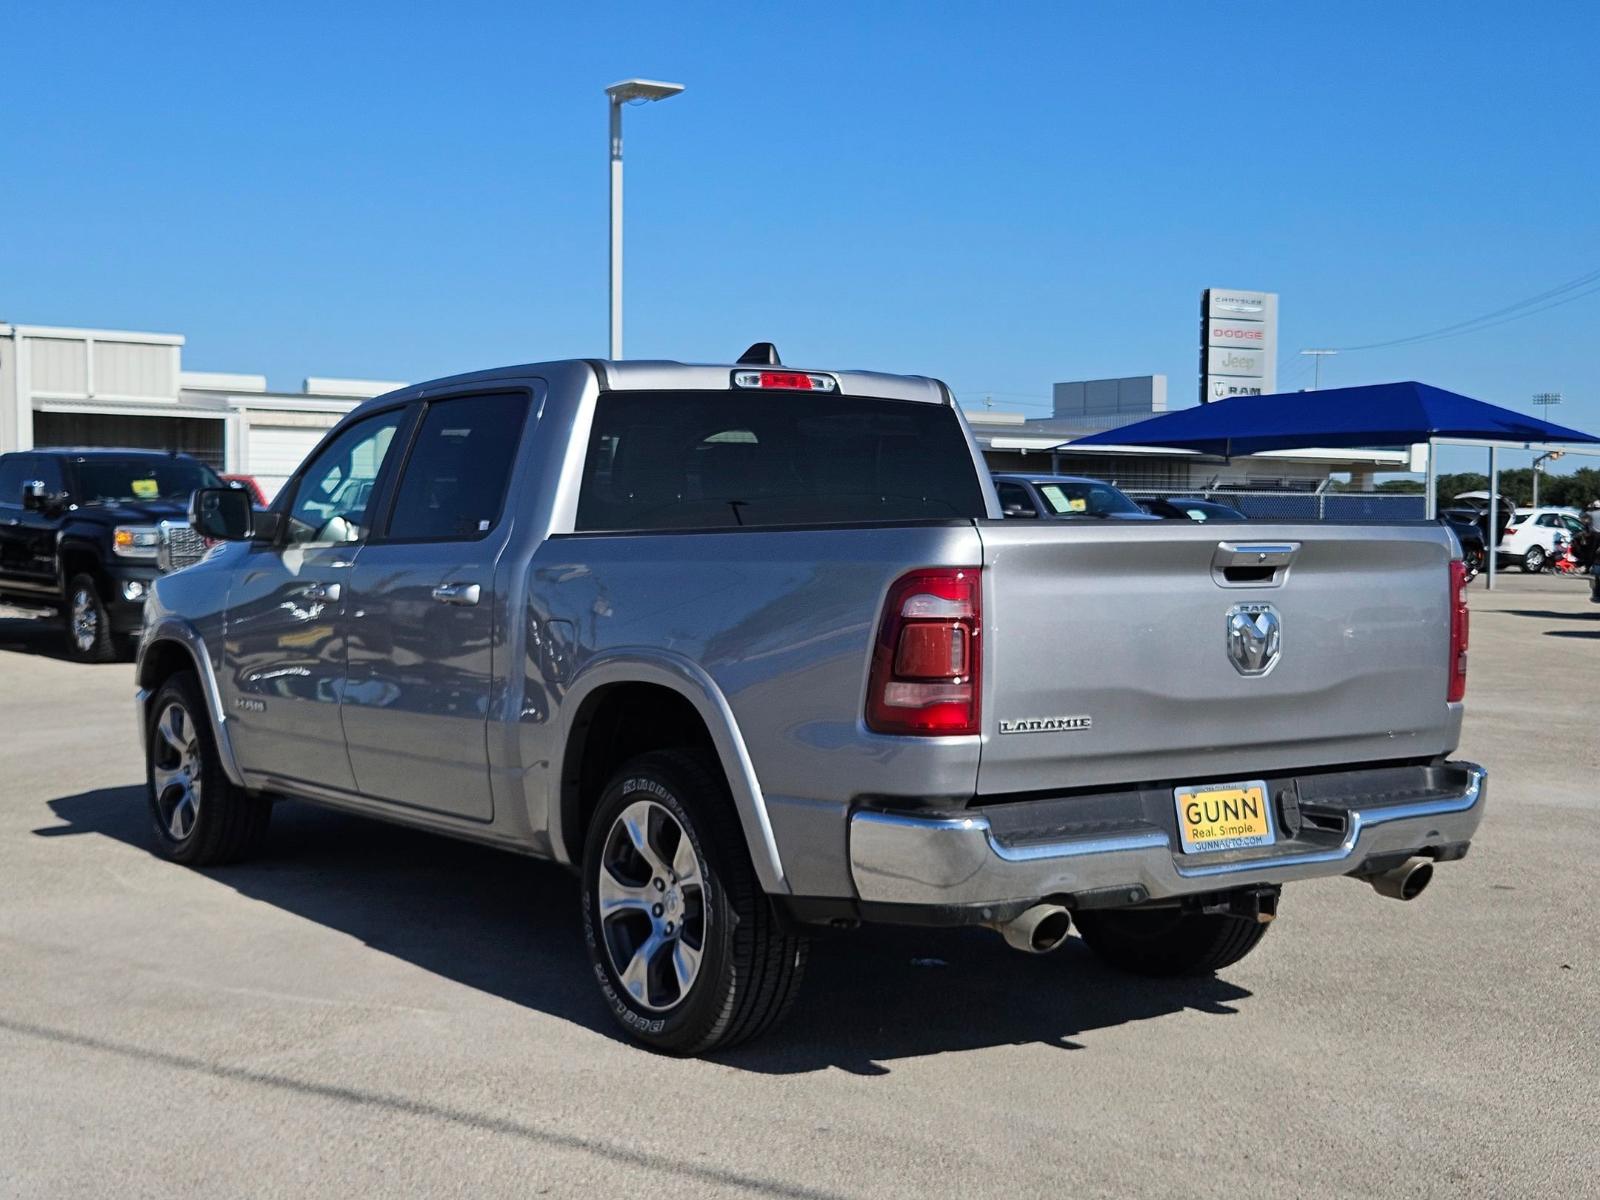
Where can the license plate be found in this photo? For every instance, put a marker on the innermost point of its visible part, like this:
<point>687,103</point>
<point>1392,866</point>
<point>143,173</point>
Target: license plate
<point>1223,816</point>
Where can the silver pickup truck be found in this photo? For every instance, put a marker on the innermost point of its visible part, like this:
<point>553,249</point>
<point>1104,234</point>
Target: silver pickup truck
<point>752,650</point>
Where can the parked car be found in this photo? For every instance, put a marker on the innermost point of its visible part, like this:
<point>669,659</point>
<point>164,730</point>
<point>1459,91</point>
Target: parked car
<point>79,532</point>
<point>1063,498</point>
<point>249,484</point>
<point>1184,508</point>
<point>750,649</point>
<point>1531,535</point>
<point>1468,525</point>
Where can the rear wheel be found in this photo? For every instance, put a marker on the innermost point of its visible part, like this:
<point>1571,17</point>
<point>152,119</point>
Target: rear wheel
<point>88,624</point>
<point>685,946</point>
<point>199,817</point>
<point>1168,941</point>
<point>1533,560</point>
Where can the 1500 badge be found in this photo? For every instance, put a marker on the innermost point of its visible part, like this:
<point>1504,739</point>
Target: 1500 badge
<point>1045,725</point>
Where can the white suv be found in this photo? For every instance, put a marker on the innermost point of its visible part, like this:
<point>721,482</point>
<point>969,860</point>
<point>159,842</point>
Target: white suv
<point>1531,536</point>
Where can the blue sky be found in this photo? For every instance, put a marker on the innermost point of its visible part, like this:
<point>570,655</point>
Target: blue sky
<point>1001,195</point>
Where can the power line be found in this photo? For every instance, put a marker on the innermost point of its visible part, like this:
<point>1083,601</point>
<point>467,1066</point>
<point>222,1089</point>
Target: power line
<point>1565,293</point>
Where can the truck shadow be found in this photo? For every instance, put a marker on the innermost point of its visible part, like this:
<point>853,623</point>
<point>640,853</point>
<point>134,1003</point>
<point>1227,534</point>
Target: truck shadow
<point>42,635</point>
<point>508,926</point>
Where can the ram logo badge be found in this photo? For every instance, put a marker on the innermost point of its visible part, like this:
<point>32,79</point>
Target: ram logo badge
<point>1046,725</point>
<point>1255,638</point>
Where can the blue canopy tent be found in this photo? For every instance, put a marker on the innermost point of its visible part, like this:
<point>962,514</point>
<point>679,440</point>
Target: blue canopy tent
<point>1385,414</point>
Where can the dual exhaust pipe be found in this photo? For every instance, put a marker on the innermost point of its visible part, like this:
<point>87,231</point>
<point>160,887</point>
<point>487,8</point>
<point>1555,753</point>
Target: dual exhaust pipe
<point>1405,882</point>
<point>1037,930</point>
<point>1042,928</point>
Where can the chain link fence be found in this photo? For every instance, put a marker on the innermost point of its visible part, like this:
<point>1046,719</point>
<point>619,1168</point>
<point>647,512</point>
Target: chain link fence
<point>1284,505</point>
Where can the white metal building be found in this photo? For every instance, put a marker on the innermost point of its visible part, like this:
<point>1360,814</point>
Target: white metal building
<point>104,387</point>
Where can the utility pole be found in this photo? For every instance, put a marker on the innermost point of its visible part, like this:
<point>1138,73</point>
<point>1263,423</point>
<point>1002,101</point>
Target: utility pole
<point>1317,356</point>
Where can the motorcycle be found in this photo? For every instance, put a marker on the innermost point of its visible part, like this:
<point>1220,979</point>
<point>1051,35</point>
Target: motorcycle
<point>1562,561</point>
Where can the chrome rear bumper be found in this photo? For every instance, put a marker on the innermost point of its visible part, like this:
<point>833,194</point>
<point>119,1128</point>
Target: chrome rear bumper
<point>906,858</point>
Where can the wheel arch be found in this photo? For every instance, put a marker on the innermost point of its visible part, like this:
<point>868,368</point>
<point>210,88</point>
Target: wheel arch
<point>173,646</point>
<point>78,556</point>
<point>686,708</point>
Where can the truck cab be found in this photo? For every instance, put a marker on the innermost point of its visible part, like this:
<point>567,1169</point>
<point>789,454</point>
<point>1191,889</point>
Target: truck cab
<point>80,531</point>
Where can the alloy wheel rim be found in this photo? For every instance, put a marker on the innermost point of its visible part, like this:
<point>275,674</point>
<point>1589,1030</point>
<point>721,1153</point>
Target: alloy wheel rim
<point>175,769</point>
<point>653,913</point>
<point>85,620</point>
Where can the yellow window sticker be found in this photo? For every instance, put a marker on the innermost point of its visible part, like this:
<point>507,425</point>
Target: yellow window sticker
<point>146,489</point>
<point>1077,506</point>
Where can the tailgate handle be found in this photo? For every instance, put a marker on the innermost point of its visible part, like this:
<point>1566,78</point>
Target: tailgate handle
<point>1252,564</point>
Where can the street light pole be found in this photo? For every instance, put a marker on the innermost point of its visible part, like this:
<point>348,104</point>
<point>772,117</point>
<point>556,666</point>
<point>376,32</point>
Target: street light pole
<point>1538,469</point>
<point>636,91</point>
<point>616,229</point>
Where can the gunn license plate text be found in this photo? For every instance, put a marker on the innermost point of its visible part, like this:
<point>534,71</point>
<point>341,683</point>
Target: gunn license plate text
<point>1228,816</point>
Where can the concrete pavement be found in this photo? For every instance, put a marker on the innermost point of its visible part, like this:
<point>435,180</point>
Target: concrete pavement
<point>372,1011</point>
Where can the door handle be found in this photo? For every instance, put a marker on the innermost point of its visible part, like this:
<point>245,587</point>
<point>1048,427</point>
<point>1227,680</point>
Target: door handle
<point>327,592</point>
<point>465,594</point>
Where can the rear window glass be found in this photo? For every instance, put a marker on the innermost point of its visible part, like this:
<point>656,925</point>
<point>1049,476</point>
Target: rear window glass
<point>716,460</point>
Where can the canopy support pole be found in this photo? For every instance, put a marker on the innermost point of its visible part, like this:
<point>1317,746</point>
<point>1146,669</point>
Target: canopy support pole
<point>1492,549</point>
<point>1433,480</point>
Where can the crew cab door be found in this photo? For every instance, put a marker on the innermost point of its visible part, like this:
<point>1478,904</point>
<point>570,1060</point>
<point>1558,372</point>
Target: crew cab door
<point>285,635</point>
<point>423,614</point>
<point>28,536</point>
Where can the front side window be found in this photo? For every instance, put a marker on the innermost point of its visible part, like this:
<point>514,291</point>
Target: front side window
<point>454,482</point>
<point>718,460</point>
<point>103,479</point>
<point>331,499</point>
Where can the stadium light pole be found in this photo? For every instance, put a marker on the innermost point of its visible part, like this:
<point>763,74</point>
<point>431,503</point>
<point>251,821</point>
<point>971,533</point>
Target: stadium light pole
<point>629,91</point>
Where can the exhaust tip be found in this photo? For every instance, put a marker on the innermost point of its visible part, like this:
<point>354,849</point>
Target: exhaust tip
<point>1405,882</point>
<point>1037,930</point>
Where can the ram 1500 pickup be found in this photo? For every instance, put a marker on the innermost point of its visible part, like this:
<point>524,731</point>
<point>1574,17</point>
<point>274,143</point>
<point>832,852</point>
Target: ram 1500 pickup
<point>752,650</point>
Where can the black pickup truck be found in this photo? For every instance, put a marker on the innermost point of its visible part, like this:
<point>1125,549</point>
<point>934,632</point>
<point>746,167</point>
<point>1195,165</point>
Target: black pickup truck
<point>79,531</point>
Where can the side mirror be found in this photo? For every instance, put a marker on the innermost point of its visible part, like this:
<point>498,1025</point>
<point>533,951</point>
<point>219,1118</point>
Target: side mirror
<point>1019,510</point>
<point>222,514</point>
<point>34,496</point>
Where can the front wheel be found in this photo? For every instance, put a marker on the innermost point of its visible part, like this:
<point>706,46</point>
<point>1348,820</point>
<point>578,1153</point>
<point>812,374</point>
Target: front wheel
<point>1168,941</point>
<point>685,946</point>
<point>89,637</point>
<point>1533,560</point>
<point>199,817</point>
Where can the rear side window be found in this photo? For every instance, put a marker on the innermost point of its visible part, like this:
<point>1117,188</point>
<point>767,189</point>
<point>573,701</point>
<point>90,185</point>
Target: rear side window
<point>718,460</point>
<point>454,484</point>
<point>13,474</point>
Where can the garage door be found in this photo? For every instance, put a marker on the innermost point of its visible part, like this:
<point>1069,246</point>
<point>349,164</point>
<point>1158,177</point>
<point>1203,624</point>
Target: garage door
<point>275,451</point>
<point>199,436</point>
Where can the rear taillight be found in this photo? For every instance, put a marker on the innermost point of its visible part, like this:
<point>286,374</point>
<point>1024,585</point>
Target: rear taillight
<point>1458,631</point>
<point>926,662</point>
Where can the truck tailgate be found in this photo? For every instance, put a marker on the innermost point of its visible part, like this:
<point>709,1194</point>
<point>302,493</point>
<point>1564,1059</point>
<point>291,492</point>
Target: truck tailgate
<point>1107,660</point>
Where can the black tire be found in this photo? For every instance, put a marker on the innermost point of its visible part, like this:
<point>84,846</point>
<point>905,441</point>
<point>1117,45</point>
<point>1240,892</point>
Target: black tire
<point>1533,560</point>
<point>221,823</point>
<point>88,625</point>
<point>749,968</point>
<point>1168,941</point>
